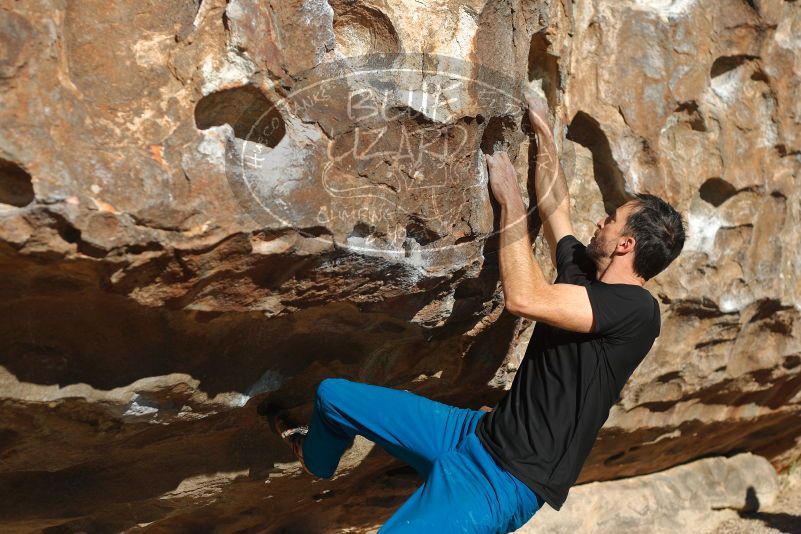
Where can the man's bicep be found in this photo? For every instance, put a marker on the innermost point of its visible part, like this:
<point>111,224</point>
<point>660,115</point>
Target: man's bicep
<point>565,306</point>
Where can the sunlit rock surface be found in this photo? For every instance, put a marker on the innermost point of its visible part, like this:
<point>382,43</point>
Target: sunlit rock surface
<point>149,304</point>
<point>694,497</point>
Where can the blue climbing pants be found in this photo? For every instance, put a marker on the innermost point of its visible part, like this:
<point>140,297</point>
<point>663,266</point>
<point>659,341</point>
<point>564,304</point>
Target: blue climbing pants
<point>465,490</point>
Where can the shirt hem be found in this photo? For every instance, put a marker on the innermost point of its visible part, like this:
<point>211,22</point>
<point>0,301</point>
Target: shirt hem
<point>547,495</point>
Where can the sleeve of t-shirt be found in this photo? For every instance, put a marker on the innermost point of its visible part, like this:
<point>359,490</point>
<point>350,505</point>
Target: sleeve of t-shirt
<point>619,312</point>
<point>572,264</point>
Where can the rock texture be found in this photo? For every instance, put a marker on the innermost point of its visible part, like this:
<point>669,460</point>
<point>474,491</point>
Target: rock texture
<point>781,516</point>
<point>689,498</point>
<point>149,304</point>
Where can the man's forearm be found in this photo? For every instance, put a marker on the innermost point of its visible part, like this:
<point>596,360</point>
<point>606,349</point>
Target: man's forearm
<point>521,276</point>
<point>550,183</point>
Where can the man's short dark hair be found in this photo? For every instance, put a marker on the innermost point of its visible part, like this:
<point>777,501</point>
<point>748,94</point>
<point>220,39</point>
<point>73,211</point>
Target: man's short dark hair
<point>658,230</point>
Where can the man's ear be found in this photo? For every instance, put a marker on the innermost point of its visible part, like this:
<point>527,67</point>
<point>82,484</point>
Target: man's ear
<point>628,243</point>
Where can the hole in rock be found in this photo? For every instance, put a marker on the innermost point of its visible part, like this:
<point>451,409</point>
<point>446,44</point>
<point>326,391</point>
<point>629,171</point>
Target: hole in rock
<point>544,66</point>
<point>251,114</point>
<point>361,229</point>
<point>667,377</point>
<point>71,234</point>
<point>693,116</point>
<point>724,64</point>
<point>418,231</point>
<point>768,308</point>
<point>791,362</point>
<point>499,134</point>
<point>16,187</point>
<point>759,75</point>
<point>716,191</point>
<point>586,131</point>
<point>361,29</point>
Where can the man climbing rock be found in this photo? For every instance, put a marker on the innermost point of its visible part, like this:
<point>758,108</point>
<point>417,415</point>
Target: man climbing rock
<point>490,471</point>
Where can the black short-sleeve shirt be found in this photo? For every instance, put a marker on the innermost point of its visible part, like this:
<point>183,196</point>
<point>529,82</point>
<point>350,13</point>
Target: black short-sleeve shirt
<point>543,429</point>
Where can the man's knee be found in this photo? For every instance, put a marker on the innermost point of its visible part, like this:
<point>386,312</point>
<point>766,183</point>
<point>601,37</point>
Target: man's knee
<point>329,388</point>
<point>320,471</point>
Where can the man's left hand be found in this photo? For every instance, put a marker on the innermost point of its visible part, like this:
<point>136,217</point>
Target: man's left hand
<point>502,178</point>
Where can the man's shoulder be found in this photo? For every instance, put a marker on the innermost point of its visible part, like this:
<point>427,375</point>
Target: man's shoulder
<point>568,239</point>
<point>624,310</point>
<point>570,245</point>
<point>573,266</point>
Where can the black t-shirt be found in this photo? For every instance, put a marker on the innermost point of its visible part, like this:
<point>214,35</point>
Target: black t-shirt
<point>542,430</point>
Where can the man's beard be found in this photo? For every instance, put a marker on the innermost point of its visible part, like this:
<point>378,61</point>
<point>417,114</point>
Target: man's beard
<point>595,250</point>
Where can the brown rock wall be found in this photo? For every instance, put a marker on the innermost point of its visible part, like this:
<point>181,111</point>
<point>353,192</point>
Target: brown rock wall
<point>150,301</point>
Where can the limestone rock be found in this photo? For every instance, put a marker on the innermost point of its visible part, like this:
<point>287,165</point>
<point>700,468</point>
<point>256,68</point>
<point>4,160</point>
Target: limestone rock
<point>191,222</point>
<point>687,498</point>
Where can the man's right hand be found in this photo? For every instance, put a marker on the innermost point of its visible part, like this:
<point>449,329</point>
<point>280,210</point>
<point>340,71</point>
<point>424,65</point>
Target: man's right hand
<point>537,111</point>
<point>553,197</point>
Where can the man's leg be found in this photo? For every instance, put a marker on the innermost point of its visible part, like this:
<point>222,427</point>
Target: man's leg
<point>410,427</point>
<point>465,492</point>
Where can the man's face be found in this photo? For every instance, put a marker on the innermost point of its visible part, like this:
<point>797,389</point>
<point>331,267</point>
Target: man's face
<point>608,231</point>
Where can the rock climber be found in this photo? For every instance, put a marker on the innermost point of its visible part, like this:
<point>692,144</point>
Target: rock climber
<point>490,471</point>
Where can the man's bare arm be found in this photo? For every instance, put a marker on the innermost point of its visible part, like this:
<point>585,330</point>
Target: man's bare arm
<point>553,198</point>
<point>526,291</point>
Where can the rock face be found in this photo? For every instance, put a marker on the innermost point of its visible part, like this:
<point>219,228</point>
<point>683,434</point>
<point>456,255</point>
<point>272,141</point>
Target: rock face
<point>689,498</point>
<point>205,204</point>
